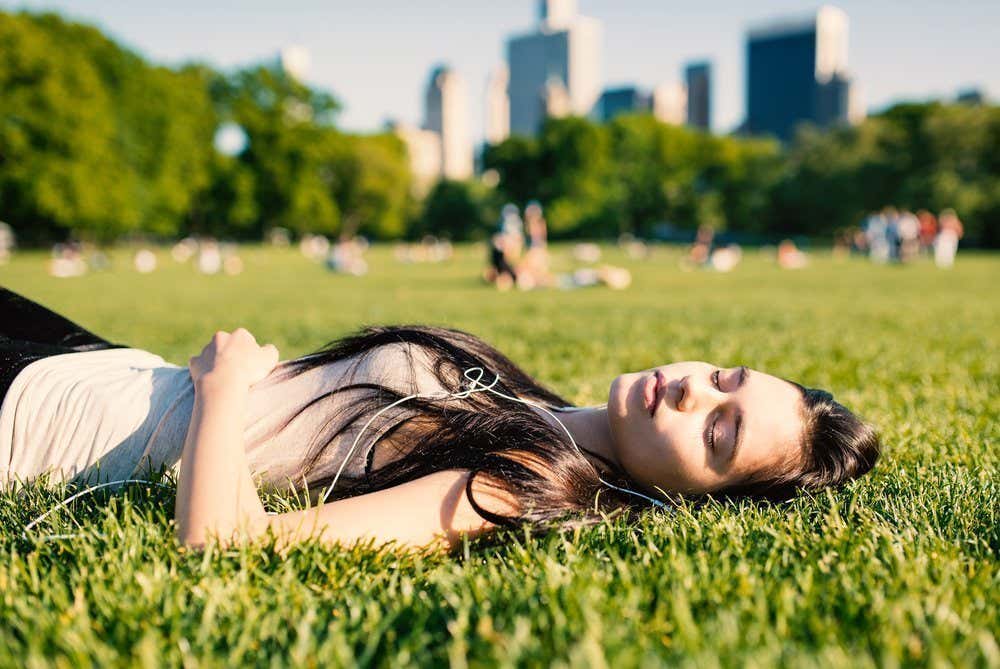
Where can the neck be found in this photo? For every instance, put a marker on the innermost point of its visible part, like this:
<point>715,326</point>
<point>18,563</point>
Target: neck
<point>591,431</point>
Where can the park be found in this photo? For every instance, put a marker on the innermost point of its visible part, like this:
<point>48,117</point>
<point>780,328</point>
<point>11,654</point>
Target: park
<point>897,568</point>
<point>713,190</point>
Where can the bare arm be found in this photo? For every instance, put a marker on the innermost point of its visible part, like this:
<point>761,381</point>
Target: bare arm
<point>216,495</point>
<point>430,512</point>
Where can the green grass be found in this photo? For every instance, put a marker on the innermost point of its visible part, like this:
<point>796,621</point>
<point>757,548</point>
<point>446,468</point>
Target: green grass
<point>898,569</point>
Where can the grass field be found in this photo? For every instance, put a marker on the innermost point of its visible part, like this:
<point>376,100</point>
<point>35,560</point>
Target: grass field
<point>899,569</point>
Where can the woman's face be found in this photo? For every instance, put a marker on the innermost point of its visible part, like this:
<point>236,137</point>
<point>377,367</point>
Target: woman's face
<point>692,427</point>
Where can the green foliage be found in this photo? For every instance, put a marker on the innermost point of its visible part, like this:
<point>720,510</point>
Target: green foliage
<point>835,178</point>
<point>516,162</point>
<point>657,172</point>
<point>573,156</point>
<point>288,144</point>
<point>915,156</point>
<point>566,169</point>
<point>59,141</point>
<point>744,174</point>
<point>98,143</point>
<point>228,205</point>
<point>900,569</point>
<point>371,184</point>
<point>458,210</point>
<point>636,172</point>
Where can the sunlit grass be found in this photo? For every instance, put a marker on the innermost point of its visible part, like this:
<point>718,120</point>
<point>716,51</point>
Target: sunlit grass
<point>901,567</point>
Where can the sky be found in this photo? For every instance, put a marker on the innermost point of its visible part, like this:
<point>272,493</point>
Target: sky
<point>377,55</point>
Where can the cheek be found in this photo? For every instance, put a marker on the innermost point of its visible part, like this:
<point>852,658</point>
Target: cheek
<point>669,455</point>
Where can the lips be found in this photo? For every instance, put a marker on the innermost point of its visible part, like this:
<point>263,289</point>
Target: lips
<point>652,391</point>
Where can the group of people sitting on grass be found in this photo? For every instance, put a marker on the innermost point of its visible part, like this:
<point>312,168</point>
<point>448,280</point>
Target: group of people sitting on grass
<point>519,256</point>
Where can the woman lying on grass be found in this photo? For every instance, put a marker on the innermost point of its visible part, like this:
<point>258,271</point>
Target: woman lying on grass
<point>415,435</point>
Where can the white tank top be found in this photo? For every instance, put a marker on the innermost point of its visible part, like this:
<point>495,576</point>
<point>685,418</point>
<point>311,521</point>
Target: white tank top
<point>114,414</point>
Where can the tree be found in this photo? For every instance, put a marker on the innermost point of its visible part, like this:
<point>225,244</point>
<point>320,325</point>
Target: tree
<point>658,170</point>
<point>516,163</point>
<point>288,127</point>
<point>836,177</point>
<point>59,151</point>
<point>371,184</point>
<point>457,210</point>
<point>227,206</point>
<point>93,140</point>
<point>745,174</point>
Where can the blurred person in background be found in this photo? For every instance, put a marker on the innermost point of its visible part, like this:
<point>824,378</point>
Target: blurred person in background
<point>876,236</point>
<point>512,226</point>
<point>499,271</point>
<point>700,253</point>
<point>634,248</point>
<point>7,242</point>
<point>946,244</point>
<point>928,230</point>
<point>67,260</point>
<point>891,216</point>
<point>726,258</point>
<point>209,256</point>
<point>347,256</point>
<point>790,257</point>
<point>908,229</point>
<point>533,270</point>
<point>505,249</point>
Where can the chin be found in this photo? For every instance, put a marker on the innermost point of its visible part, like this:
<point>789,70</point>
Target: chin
<point>622,407</point>
<point>618,396</point>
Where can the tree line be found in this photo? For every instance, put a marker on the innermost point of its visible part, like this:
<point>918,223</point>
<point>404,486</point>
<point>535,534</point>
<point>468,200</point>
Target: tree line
<point>636,175</point>
<point>98,143</point>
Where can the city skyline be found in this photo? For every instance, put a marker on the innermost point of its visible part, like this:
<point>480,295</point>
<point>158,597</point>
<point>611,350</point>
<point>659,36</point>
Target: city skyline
<point>644,45</point>
<point>556,67</point>
<point>798,71</point>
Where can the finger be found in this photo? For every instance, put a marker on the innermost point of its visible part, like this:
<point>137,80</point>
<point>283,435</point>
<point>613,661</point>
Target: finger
<point>243,333</point>
<point>270,354</point>
<point>220,337</point>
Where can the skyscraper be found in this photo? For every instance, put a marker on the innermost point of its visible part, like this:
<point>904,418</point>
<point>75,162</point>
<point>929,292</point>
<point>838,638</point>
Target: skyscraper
<point>423,148</point>
<point>669,103</point>
<point>446,109</point>
<point>797,71</point>
<point>497,106</point>
<point>622,100</point>
<point>294,60</point>
<point>698,77</point>
<point>556,69</point>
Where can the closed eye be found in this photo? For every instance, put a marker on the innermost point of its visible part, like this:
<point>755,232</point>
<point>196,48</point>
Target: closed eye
<point>709,435</point>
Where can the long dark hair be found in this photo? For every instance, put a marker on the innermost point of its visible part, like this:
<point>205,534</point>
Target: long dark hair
<point>507,446</point>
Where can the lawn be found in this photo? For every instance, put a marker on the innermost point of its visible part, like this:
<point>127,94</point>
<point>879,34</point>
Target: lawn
<point>899,569</point>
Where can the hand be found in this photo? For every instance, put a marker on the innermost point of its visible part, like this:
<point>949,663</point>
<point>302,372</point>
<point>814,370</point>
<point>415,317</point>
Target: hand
<point>233,359</point>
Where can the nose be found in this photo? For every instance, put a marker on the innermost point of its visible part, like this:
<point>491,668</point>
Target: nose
<point>694,392</point>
